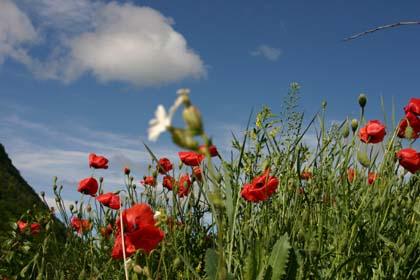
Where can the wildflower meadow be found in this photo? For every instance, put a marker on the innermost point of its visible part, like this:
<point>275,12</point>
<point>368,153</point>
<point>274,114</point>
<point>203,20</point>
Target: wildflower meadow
<point>274,207</point>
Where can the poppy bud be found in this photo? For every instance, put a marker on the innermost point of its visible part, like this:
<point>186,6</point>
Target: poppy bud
<point>127,170</point>
<point>101,179</point>
<point>362,100</point>
<point>71,207</point>
<point>134,186</point>
<point>354,125</point>
<point>324,104</point>
<point>192,118</point>
<point>42,194</point>
<point>137,269</point>
<point>363,159</point>
<point>88,208</point>
<point>55,180</point>
<point>183,139</point>
<point>55,187</point>
<point>176,262</point>
<point>346,131</point>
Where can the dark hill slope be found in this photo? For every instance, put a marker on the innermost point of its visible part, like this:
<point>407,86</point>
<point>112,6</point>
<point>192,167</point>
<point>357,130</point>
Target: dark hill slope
<point>16,196</point>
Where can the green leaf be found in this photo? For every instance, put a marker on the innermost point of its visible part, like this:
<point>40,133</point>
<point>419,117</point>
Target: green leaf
<point>279,257</point>
<point>211,264</point>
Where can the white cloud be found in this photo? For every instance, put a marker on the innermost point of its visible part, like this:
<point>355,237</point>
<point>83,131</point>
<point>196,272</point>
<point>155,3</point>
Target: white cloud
<point>268,52</point>
<point>16,32</point>
<point>63,15</point>
<point>113,42</point>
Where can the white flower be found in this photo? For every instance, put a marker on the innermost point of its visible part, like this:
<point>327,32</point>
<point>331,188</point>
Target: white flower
<point>162,120</point>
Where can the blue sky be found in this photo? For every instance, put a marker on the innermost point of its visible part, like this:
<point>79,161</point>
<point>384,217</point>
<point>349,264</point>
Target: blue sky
<point>68,89</point>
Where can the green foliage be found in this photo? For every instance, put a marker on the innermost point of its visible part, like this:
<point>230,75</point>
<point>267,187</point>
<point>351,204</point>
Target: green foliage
<point>324,226</point>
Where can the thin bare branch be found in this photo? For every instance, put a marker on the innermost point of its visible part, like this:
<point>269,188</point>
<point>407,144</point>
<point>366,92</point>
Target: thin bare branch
<point>397,24</point>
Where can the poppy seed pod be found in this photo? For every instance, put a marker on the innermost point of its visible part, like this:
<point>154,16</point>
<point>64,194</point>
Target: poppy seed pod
<point>354,125</point>
<point>192,118</point>
<point>362,100</point>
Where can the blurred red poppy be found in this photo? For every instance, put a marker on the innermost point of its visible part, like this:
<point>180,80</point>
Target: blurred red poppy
<point>168,182</point>
<point>212,150</point>
<point>372,176</point>
<point>409,159</point>
<point>110,200</point>
<point>98,162</point>
<point>140,231</point>
<point>191,158</point>
<point>351,174</point>
<point>164,165</point>
<point>148,181</point>
<point>261,188</point>
<point>373,132</point>
<point>184,185</point>
<point>35,228</point>
<point>88,186</point>
<point>306,175</point>
<point>80,225</point>
<point>197,173</point>
<point>410,120</point>
<point>413,106</point>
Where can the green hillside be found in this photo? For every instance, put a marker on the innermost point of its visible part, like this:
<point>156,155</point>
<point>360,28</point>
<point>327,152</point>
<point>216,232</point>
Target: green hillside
<point>16,196</point>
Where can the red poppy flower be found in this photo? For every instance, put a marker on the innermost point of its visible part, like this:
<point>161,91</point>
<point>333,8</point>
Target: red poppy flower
<point>164,165</point>
<point>212,150</point>
<point>409,159</point>
<point>191,158</point>
<point>168,182</point>
<point>184,184</point>
<point>372,176</point>
<point>88,186</point>
<point>106,231</point>
<point>80,225</point>
<point>306,175</point>
<point>34,227</point>
<point>261,188</point>
<point>98,162</point>
<point>413,106</point>
<point>140,231</point>
<point>373,132</point>
<point>110,200</point>
<point>197,173</point>
<point>351,173</point>
<point>21,225</point>
<point>148,181</point>
<point>412,121</point>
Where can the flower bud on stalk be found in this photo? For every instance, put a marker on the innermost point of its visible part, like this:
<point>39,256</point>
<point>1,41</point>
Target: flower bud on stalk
<point>362,100</point>
<point>346,131</point>
<point>354,125</point>
<point>182,138</point>
<point>363,159</point>
<point>192,118</point>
